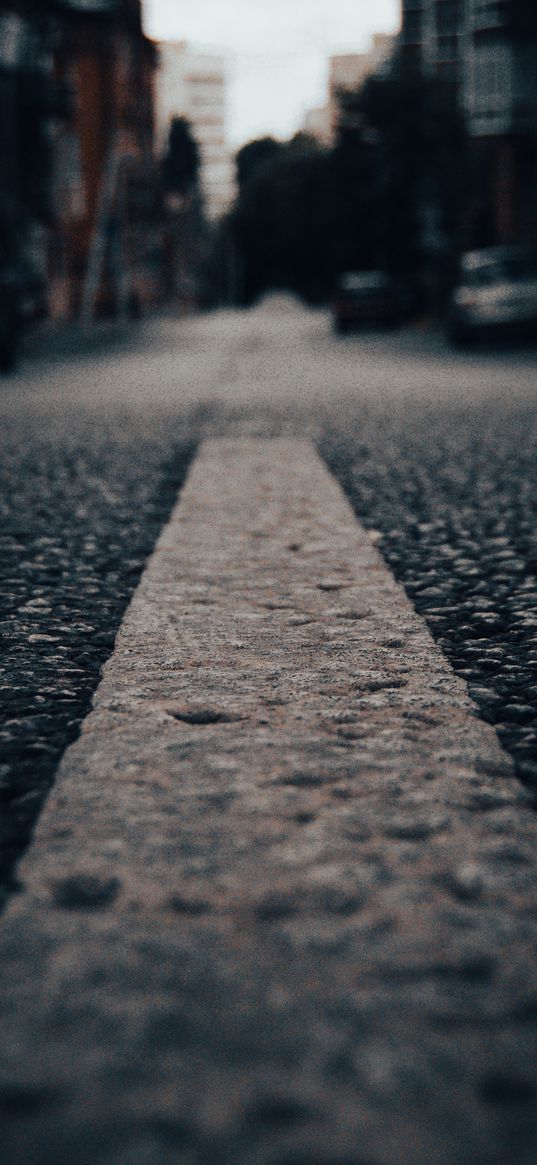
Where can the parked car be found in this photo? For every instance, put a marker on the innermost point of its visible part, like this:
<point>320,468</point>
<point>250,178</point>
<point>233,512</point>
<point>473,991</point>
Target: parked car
<point>364,297</point>
<point>496,293</point>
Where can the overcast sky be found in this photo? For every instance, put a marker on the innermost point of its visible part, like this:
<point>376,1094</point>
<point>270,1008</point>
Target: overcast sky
<point>277,50</point>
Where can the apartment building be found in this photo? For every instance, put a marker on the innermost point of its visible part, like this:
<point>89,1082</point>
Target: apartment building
<point>501,73</point>
<point>103,256</point>
<point>347,72</point>
<point>432,36</point>
<point>500,98</point>
<point>488,50</point>
<point>413,35</point>
<point>193,84</point>
<point>30,101</point>
<point>76,152</point>
<point>317,124</point>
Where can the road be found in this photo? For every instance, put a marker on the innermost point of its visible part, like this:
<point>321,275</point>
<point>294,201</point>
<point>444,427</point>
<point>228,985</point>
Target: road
<point>435,449</point>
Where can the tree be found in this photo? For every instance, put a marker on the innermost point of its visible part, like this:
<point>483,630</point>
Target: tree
<point>254,156</point>
<point>279,221</point>
<point>422,171</point>
<point>389,194</point>
<point>185,228</point>
<point>181,162</point>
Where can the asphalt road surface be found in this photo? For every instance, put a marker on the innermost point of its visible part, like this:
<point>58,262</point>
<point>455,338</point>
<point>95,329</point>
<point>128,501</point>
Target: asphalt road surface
<point>435,449</point>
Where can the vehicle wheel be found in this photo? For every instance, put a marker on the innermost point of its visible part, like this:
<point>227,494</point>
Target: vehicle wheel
<point>341,327</point>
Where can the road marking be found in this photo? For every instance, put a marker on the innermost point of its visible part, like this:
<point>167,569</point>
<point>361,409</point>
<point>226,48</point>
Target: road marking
<point>282,799</point>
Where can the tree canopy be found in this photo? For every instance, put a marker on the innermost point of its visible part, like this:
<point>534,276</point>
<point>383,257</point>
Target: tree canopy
<point>181,163</point>
<point>305,212</point>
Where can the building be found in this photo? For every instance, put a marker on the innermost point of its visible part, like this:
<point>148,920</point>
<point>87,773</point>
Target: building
<point>31,101</point>
<point>104,246</point>
<point>193,85</point>
<point>433,36</point>
<point>76,151</point>
<point>500,99</point>
<point>487,49</point>
<point>413,32</point>
<point>317,124</point>
<point>348,73</point>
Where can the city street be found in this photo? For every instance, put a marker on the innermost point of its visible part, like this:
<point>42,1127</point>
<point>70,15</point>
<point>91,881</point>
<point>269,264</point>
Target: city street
<point>435,450</point>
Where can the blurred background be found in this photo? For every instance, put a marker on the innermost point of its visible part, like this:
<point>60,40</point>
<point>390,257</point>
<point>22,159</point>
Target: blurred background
<point>142,167</point>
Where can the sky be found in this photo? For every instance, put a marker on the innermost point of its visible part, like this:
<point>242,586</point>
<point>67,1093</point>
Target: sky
<point>277,50</point>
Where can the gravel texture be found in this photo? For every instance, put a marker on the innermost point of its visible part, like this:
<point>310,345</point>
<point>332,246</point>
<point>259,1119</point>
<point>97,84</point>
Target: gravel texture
<point>453,496</point>
<point>79,513</point>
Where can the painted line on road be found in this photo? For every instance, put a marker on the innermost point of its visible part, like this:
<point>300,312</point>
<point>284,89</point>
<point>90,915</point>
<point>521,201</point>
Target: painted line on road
<point>275,733</point>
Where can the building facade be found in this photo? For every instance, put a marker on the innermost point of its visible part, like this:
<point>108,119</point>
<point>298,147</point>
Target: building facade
<point>317,124</point>
<point>488,50</point>
<point>193,85</point>
<point>31,102</point>
<point>432,36</point>
<point>500,99</point>
<point>104,167</point>
<point>78,173</point>
<point>347,72</point>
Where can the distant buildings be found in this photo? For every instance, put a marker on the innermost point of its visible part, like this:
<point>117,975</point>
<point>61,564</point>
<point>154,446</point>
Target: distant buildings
<point>432,35</point>
<point>488,49</point>
<point>317,124</point>
<point>192,84</point>
<point>82,214</point>
<point>30,102</point>
<point>103,257</point>
<point>347,72</point>
<point>500,98</point>
<point>350,70</point>
<point>77,186</point>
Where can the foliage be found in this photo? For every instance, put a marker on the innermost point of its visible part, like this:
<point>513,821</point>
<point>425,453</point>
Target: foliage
<point>420,163</point>
<point>254,156</point>
<point>305,213</point>
<point>276,215</point>
<point>181,162</point>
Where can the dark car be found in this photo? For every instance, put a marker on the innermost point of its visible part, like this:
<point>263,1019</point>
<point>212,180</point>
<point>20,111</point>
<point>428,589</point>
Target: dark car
<point>496,293</point>
<point>364,297</point>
